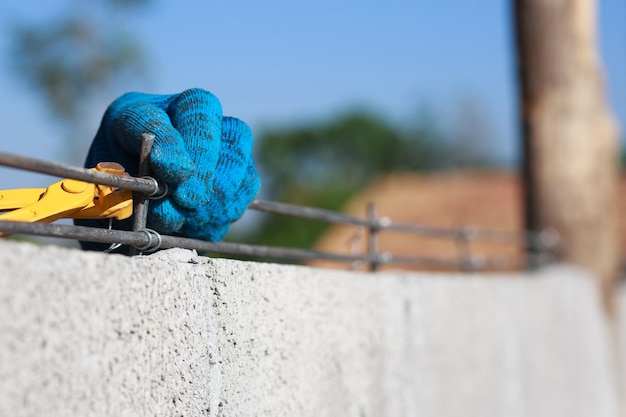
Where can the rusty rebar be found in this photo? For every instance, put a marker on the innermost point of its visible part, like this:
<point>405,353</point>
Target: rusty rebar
<point>141,185</point>
<point>141,200</point>
<point>148,240</point>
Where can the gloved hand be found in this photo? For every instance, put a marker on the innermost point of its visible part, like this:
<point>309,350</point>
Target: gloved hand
<point>205,159</point>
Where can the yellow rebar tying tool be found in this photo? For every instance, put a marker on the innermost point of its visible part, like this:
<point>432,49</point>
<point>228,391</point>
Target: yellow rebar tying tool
<point>68,198</point>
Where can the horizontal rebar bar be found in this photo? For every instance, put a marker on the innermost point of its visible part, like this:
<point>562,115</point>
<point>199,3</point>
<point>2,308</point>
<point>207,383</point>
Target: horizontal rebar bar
<point>57,169</point>
<point>537,240</point>
<point>454,233</point>
<point>142,239</point>
<point>311,213</point>
<point>528,239</point>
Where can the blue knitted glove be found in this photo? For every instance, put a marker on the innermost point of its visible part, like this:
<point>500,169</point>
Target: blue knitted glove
<point>205,159</point>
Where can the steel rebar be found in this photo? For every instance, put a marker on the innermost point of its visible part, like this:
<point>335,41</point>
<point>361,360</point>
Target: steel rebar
<point>146,239</point>
<point>528,239</point>
<point>372,241</point>
<point>141,200</point>
<point>57,169</point>
<point>149,187</point>
<point>140,239</point>
<point>311,213</point>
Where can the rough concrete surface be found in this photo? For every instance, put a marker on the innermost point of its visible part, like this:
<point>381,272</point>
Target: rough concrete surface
<point>176,334</point>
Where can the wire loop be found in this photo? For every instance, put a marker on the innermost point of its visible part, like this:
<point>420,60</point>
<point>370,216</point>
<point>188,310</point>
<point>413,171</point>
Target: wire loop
<point>154,241</point>
<point>157,186</point>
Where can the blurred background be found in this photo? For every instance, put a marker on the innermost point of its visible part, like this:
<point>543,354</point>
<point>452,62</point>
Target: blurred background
<point>339,94</point>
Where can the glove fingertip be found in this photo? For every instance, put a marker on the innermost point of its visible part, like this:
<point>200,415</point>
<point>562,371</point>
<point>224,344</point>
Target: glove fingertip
<point>170,164</point>
<point>229,201</point>
<point>165,217</point>
<point>196,114</point>
<point>170,159</point>
<point>193,193</point>
<point>236,132</point>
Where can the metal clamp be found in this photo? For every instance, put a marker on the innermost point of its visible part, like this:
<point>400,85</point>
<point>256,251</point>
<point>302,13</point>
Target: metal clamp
<point>157,186</point>
<point>154,241</point>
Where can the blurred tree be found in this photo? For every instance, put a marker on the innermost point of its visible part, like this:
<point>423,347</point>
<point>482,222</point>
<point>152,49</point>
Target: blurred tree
<point>73,58</point>
<point>569,134</point>
<point>322,165</point>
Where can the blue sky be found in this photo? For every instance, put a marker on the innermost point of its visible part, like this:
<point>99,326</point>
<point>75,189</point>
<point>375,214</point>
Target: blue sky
<point>277,61</point>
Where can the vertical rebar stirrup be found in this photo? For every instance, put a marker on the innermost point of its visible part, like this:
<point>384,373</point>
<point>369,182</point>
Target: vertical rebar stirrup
<point>141,201</point>
<point>372,217</point>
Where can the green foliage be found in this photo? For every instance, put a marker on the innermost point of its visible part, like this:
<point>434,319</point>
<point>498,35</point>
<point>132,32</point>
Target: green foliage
<point>73,58</point>
<point>344,153</point>
<point>323,165</point>
<point>70,61</point>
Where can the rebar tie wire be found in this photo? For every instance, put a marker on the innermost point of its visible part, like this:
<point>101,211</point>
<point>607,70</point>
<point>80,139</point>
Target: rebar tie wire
<point>542,244</point>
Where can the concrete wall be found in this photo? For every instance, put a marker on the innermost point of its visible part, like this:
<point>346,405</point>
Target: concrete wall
<point>175,334</point>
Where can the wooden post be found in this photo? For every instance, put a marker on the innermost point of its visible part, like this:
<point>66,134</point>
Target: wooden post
<point>570,146</point>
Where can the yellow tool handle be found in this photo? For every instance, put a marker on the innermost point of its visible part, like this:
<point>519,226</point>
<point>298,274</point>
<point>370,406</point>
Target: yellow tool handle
<point>68,198</point>
<point>18,198</point>
<point>59,200</point>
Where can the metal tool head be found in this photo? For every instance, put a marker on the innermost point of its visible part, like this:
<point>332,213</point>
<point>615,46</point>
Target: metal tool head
<point>68,198</point>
